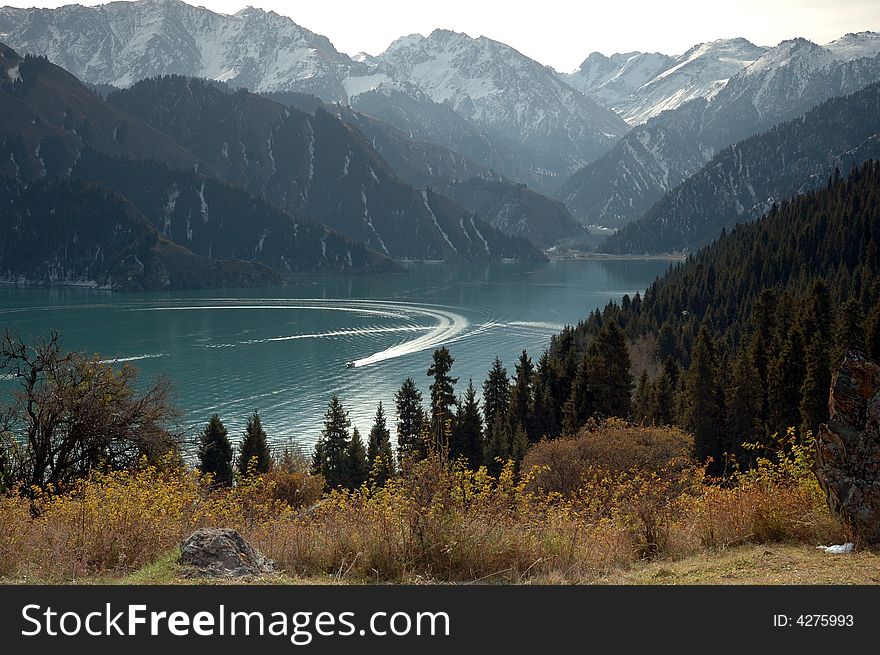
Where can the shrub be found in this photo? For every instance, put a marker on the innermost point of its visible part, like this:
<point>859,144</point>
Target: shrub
<point>612,446</point>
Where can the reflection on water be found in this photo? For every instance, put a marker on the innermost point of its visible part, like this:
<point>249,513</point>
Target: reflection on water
<point>285,351</point>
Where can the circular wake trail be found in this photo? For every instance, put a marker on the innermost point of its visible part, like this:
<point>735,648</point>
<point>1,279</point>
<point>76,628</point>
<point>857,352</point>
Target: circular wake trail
<point>449,326</point>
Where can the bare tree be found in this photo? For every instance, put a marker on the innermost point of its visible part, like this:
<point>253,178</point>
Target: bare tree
<point>72,413</point>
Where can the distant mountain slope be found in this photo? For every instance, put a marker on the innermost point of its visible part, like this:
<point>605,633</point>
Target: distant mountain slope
<point>654,157</point>
<point>515,209</point>
<point>215,219</point>
<point>39,99</point>
<point>639,86</point>
<point>65,232</point>
<point>53,126</point>
<point>611,79</point>
<point>314,165</point>
<point>742,181</point>
<point>539,130</point>
<point>502,91</point>
<point>511,207</point>
<point>120,43</point>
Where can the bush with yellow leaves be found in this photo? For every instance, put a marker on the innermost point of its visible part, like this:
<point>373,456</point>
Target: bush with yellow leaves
<point>435,521</point>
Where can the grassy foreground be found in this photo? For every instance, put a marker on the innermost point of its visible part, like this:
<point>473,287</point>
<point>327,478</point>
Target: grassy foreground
<point>774,564</point>
<point>616,505</point>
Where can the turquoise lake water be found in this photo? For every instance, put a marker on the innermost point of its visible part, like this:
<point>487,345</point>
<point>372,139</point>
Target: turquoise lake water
<point>285,351</point>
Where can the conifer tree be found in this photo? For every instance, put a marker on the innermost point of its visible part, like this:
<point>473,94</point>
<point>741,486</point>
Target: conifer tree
<point>358,469</point>
<point>521,404</point>
<point>581,404</point>
<point>380,459</point>
<point>410,417</point>
<point>254,455</point>
<point>849,333</point>
<point>442,396</point>
<point>664,399</point>
<point>817,317</point>
<point>785,380</point>
<point>332,448</point>
<point>642,401</point>
<point>763,345</point>
<point>744,403</point>
<point>496,393</point>
<point>518,446</point>
<point>467,439</point>
<point>546,416</point>
<point>874,333</point>
<point>815,388</point>
<point>610,372</point>
<point>215,452</point>
<point>498,441</point>
<point>703,402</point>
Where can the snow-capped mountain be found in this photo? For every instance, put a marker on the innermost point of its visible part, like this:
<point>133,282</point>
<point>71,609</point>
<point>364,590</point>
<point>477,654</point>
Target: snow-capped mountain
<point>701,72</point>
<point>744,180</point>
<point>529,125</point>
<point>640,86</point>
<point>656,156</point>
<point>507,94</point>
<point>121,43</point>
<point>611,79</point>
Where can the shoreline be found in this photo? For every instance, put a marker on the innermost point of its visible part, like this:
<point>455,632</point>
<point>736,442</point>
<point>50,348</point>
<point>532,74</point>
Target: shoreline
<point>601,256</point>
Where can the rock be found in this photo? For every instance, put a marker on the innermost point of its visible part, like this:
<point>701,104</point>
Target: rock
<point>848,447</point>
<point>222,553</point>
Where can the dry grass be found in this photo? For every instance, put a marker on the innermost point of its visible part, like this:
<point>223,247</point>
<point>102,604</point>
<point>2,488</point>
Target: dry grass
<point>778,564</point>
<point>438,523</point>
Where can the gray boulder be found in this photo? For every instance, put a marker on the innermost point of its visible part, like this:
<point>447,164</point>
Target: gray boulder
<point>222,553</point>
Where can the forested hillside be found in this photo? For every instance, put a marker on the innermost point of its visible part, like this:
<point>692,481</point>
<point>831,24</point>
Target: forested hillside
<point>314,165</point>
<point>742,181</point>
<point>215,219</point>
<point>67,232</point>
<point>746,331</point>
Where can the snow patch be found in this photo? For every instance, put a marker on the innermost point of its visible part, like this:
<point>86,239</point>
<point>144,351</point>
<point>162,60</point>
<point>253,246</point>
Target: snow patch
<point>204,208</point>
<point>437,224</point>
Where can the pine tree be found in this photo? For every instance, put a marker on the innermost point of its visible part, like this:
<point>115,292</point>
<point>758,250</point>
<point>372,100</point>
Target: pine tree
<point>518,446</point>
<point>610,372</point>
<point>874,333</point>
<point>581,403</point>
<point>815,388</point>
<point>784,381</point>
<point>546,416</point>
<point>410,417</point>
<point>442,396</point>
<point>817,318</point>
<point>643,400</point>
<point>380,459</point>
<point>358,469</point>
<point>332,448</point>
<point>496,393</point>
<point>498,440</point>
<point>215,452</point>
<point>744,403</point>
<point>467,441</point>
<point>849,333</point>
<point>664,399</point>
<point>521,403</point>
<point>254,455</point>
<point>763,345</point>
<point>703,402</point>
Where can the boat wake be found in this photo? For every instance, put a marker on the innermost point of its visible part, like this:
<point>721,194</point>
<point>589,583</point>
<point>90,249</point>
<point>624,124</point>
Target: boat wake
<point>448,326</point>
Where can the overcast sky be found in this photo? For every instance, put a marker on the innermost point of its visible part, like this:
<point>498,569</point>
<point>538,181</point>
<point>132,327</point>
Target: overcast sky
<point>561,33</point>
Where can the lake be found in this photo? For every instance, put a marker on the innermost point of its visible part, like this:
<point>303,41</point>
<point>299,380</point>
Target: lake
<point>285,351</point>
